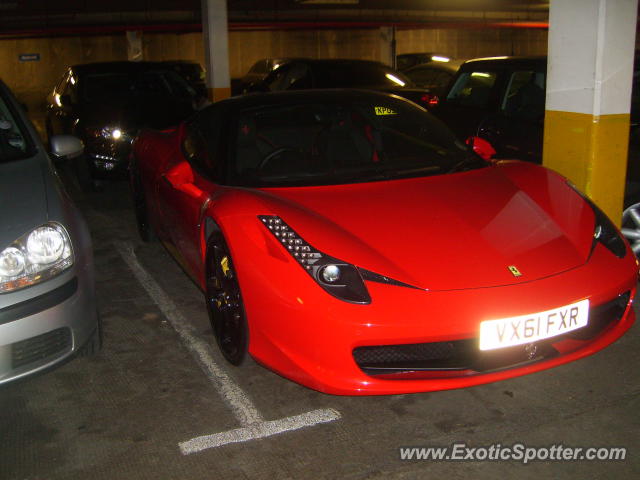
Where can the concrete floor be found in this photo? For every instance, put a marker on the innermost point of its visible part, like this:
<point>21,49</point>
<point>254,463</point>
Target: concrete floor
<point>123,413</point>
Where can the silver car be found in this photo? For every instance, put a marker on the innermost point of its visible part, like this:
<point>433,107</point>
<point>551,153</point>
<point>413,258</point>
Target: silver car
<point>47,294</point>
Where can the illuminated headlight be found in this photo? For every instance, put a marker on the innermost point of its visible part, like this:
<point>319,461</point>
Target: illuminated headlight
<point>340,279</point>
<point>115,133</point>
<point>36,256</point>
<point>604,231</point>
<point>330,273</point>
<point>110,133</point>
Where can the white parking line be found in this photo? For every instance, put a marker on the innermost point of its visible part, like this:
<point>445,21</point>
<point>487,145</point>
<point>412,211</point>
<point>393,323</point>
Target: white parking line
<point>242,407</point>
<point>259,430</point>
<point>252,422</point>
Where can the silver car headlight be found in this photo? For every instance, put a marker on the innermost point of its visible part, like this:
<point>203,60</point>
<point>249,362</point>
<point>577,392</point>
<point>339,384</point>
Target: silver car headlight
<point>42,253</point>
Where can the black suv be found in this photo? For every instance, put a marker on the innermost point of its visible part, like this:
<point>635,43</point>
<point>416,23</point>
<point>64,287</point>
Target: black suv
<point>502,100</point>
<point>106,104</point>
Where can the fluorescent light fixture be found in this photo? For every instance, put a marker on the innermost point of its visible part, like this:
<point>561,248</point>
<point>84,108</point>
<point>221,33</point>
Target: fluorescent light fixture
<point>480,74</point>
<point>438,58</point>
<point>395,79</point>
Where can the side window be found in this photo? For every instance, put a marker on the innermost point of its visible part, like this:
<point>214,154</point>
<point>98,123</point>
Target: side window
<point>472,89</point>
<point>298,78</point>
<point>178,85</point>
<point>196,149</point>
<point>525,95</point>
<point>422,76</point>
<point>276,80</point>
<point>67,88</point>
<point>61,83</point>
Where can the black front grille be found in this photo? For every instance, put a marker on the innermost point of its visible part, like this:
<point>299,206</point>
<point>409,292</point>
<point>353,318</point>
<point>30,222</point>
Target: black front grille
<point>425,355</point>
<point>465,355</point>
<point>40,347</point>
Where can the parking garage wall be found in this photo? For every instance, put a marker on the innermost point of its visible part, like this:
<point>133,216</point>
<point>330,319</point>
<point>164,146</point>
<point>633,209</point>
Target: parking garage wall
<point>32,80</point>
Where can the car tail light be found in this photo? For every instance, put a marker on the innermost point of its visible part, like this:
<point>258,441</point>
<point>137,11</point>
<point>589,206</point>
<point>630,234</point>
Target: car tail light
<point>429,99</point>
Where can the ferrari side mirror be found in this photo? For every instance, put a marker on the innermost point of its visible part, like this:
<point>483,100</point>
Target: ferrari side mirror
<point>481,147</point>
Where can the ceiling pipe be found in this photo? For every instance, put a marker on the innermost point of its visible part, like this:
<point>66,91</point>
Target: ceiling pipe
<point>263,26</point>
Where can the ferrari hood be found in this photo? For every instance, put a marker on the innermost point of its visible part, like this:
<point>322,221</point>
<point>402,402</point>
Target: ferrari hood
<point>482,228</point>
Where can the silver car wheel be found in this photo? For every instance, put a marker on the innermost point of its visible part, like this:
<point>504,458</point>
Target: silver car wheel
<point>631,227</point>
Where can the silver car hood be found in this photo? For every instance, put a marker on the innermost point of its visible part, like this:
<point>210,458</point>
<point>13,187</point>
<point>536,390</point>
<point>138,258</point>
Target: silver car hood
<point>23,201</point>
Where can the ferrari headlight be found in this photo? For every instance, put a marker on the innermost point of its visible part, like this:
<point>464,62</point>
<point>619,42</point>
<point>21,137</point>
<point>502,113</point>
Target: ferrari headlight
<point>38,255</point>
<point>604,232</point>
<point>340,279</point>
<point>330,273</point>
<point>607,234</point>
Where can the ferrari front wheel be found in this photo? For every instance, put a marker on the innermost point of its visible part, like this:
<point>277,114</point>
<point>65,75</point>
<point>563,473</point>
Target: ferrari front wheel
<point>224,302</point>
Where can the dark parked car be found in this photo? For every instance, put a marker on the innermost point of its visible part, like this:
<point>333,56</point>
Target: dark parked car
<point>192,72</point>
<point>257,73</point>
<point>47,296</point>
<point>303,74</point>
<point>501,100</point>
<point>106,104</point>
<point>405,61</point>
<point>434,77</point>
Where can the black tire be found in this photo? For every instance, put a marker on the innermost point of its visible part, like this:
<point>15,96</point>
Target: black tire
<point>94,344</point>
<point>145,230</point>
<point>224,302</point>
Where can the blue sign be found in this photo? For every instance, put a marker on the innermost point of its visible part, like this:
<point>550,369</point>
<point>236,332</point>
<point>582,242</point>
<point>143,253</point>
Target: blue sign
<point>29,57</point>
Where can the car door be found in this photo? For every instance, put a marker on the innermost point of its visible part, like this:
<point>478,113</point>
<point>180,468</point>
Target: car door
<point>185,189</point>
<point>470,100</point>
<point>516,130</point>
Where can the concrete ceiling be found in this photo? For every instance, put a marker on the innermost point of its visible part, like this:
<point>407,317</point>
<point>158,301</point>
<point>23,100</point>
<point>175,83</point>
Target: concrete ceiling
<point>69,16</point>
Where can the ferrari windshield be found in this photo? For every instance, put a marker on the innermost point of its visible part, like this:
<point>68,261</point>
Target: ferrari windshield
<point>14,142</point>
<point>342,142</point>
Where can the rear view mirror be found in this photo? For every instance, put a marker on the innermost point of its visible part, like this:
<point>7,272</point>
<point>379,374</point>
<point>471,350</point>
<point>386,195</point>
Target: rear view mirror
<point>66,146</point>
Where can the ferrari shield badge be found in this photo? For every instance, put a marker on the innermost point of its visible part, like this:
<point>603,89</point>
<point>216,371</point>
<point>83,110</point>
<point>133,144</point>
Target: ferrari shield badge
<point>514,271</point>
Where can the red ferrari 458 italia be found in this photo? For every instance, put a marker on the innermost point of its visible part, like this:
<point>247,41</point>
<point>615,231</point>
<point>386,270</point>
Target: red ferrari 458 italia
<point>347,241</point>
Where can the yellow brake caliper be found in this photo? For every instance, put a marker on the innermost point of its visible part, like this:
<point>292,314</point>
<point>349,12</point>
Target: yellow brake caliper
<point>224,264</point>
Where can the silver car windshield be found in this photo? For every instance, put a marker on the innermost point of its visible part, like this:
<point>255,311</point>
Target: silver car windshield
<point>14,143</point>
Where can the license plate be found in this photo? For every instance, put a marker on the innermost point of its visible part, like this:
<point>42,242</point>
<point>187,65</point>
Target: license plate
<point>507,332</point>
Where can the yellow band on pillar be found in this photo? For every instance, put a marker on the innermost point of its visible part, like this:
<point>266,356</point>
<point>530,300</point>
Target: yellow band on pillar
<point>216,94</point>
<point>591,151</point>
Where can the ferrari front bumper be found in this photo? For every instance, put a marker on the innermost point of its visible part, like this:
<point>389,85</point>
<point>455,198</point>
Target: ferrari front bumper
<point>308,336</point>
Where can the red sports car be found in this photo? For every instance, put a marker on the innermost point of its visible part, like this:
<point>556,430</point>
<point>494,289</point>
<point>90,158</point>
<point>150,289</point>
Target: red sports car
<point>347,240</point>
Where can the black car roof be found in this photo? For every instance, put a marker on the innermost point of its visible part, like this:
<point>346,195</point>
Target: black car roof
<point>510,62</point>
<point>305,96</point>
<point>337,62</point>
<point>117,67</point>
<point>450,66</point>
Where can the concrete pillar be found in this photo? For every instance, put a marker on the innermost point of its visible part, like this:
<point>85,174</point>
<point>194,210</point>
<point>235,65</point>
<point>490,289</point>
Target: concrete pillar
<point>590,68</point>
<point>134,46</point>
<point>388,46</point>
<point>216,48</point>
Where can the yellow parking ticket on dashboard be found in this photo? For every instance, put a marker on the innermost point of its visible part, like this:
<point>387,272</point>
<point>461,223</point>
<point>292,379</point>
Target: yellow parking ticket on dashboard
<point>384,111</point>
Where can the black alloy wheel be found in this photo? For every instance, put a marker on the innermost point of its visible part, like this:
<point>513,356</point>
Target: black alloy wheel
<point>145,229</point>
<point>224,302</point>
